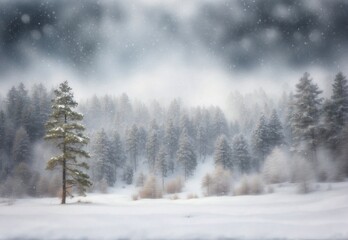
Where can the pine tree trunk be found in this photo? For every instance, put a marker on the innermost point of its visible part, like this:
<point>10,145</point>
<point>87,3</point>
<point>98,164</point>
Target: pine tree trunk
<point>64,182</point>
<point>64,169</point>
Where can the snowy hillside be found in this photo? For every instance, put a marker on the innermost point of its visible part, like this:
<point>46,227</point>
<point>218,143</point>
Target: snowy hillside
<point>283,214</point>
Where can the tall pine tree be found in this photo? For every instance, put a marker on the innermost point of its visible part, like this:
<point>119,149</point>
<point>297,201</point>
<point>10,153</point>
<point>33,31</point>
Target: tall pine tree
<point>186,156</point>
<point>336,113</point>
<point>64,129</point>
<point>305,117</point>
<point>222,153</point>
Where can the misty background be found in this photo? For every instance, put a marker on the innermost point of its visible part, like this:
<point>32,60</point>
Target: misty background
<point>169,87</point>
<point>197,50</point>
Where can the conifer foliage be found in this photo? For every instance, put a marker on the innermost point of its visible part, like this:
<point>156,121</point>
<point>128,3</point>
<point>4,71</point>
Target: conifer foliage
<point>64,129</point>
<point>306,116</point>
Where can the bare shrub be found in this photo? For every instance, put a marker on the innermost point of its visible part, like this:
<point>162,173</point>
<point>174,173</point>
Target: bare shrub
<point>192,196</point>
<point>13,188</point>
<point>270,189</point>
<point>174,197</point>
<point>250,185</point>
<point>43,187</point>
<point>135,197</point>
<point>256,184</point>
<point>328,170</point>
<point>55,185</point>
<point>242,188</point>
<point>140,180</point>
<point>174,186</point>
<point>218,183</point>
<point>207,184</point>
<point>100,186</point>
<point>151,189</point>
<point>276,167</point>
<point>303,174</point>
<point>68,192</point>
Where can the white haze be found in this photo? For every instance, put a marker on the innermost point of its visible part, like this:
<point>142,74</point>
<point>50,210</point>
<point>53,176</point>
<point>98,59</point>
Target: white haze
<point>170,69</point>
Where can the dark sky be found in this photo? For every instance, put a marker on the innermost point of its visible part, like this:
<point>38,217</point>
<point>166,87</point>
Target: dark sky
<point>96,40</point>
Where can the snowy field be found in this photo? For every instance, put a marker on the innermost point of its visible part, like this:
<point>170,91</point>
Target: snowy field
<point>283,214</point>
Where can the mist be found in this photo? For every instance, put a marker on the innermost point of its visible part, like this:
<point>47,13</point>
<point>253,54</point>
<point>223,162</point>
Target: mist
<point>199,51</point>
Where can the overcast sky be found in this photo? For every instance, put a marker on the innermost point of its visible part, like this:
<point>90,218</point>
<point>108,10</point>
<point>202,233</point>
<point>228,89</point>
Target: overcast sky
<point>200,50</point>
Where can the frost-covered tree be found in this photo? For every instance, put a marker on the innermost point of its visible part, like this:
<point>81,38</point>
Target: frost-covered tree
<point>117,152</point>
<point>17,105</point>
<point>103,164</point>
<point>340,99</point>
<point>260,140</point>
<point>186,156</point>
<point>39,111</point>
<point>288,116</point>
<point>336,112</point>
<point>220,125</point>
<point>2,130</point>
<point>64,129</point>
<point>202,142</point>
<point>222,153</point>
<point>142,139</point>
<point>161,164</point>
<point>240,154</point>
<point>21,147</point>
<point>171,139</point>
<point>152,148</point>
<point>306,116</point>
<point>275,131</point>
<point>132,146</point>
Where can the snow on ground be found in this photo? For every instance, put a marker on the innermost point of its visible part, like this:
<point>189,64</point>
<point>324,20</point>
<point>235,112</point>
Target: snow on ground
<point>281,215</point>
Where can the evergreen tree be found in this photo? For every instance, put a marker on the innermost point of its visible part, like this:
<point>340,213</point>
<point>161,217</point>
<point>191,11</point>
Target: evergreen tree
<point>220,125</point>
<point>171,139</point>
<point>152,148</point>
<point>240,154</point>
<point>288,126</point>
<point>2,130</point>
<point>275,131</point>
<point>261,140</point>
<point>142,139</point>
<point>336,112</point>
<point>186,156</point>
<point>306,116</point>
<point>21,147</point>
<point>17,105</point>
<point>132,146</point>
<point>104,166</point>
<point>39,112</point>
<point>118,153</point>
<point>162,164</point>
<point>202,142</point>
<point>64,129</point>
<point>222,154</point>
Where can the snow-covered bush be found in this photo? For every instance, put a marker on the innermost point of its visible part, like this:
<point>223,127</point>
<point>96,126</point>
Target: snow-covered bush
<point>303,174</point>
<point>48,187</point>
<point>12,188</point>
<point>276,168</point>
<point>151,188</point>
<point>218,183</point>
<point>140,180</point>
<point>249,185</point>
<point>101,186</point>
<point>128,175</point>
<point>328,170</point>
<point>192,196</point>
<point>174,185</point>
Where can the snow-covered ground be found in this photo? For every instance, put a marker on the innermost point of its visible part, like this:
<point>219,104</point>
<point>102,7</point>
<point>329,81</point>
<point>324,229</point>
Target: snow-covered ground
<point>283,214</point>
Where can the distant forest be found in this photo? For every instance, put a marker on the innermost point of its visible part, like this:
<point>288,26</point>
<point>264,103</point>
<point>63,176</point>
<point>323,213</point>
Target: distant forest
<point>130,139</point>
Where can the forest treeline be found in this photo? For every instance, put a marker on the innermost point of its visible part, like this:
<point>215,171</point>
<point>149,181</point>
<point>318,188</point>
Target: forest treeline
<point>130,139</point>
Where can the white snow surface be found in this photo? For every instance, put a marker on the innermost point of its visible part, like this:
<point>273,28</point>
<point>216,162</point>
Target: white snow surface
<point>284,214</point>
